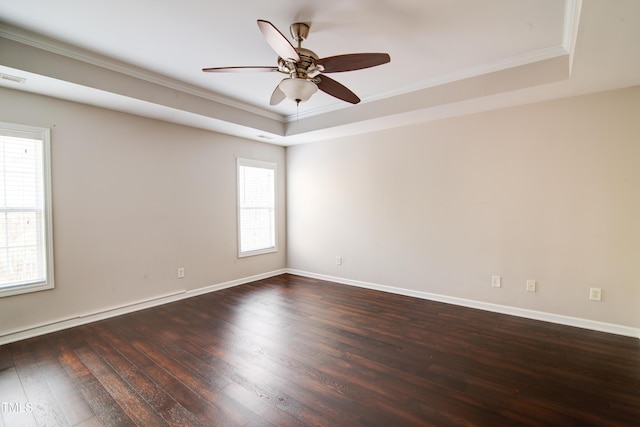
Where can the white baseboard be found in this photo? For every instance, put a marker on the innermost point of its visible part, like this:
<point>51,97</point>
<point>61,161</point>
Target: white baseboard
<point>496,308</point>
<point>81,319</point>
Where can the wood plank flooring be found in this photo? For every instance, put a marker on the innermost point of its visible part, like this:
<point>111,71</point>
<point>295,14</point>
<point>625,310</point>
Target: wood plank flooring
<point>292,351</point>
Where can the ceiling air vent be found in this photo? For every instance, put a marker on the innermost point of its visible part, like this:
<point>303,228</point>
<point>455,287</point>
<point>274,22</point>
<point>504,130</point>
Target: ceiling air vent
<point>15,79</point>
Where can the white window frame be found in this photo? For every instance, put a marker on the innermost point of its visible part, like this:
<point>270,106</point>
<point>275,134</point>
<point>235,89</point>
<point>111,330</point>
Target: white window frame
<point>257,164</point>
<point>42,134</point>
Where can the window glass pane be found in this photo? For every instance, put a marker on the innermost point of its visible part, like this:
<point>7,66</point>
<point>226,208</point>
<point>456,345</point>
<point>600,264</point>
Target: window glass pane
<point>257,229</point>
<point>257,187</point>
<point>21,181</point>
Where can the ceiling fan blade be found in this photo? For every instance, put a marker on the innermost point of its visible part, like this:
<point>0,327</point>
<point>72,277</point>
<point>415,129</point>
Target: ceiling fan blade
<point>277,96</point>
<point>352,61</point>
<point>278,41</point>
<point>336,89</point>
<point>249,69</point>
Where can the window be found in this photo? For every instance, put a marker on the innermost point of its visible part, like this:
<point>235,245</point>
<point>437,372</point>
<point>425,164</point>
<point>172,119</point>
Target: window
<point>256,207</point>
<point>26,247</point>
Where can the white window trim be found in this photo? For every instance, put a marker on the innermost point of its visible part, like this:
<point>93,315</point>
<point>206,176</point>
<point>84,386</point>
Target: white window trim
<point>260,164</point>
<point>44,135</point>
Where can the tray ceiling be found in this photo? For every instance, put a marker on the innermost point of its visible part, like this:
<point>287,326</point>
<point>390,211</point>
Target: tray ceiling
<point>146,57</point>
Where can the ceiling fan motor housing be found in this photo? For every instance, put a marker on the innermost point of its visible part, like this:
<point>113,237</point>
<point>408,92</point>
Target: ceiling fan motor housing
<point>302,68</point>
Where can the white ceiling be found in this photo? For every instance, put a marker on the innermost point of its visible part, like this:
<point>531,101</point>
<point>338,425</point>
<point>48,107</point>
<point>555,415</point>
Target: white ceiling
<point>447,57</point>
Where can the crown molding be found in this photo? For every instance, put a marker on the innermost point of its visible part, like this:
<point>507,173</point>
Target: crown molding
<point>504,64</point>
<point>69,51</point>
<point>571,20</point>
<point>573,9</point>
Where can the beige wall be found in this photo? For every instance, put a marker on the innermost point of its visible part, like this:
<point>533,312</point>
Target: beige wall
<point>133,200</point>
<point>548,192</point>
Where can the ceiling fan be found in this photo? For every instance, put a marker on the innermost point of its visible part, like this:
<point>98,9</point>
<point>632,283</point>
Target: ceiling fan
<point>304,68</point>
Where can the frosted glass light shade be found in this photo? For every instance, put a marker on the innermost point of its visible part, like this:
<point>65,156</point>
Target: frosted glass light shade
<point>298,90</point>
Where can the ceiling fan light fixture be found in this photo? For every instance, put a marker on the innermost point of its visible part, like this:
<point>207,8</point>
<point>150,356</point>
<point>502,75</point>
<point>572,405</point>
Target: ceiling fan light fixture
<point>298,90</point>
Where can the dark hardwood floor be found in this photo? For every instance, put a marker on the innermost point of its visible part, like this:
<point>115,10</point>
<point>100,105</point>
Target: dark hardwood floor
<point>296,351</point>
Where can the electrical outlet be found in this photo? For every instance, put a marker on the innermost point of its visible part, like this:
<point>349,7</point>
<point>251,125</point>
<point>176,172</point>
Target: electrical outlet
<point>496,282</point>
<point>338,260</point>
<point>181,273</point>
<point>531,285</point>
<point>595,294</point>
